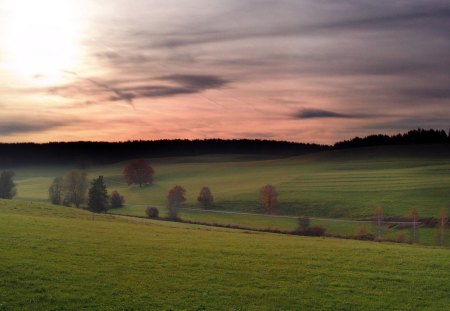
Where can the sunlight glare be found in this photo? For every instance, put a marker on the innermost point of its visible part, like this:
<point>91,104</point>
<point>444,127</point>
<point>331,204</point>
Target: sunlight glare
<point>41,39</point>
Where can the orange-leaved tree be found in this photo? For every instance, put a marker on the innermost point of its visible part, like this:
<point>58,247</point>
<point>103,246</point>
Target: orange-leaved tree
<point>205,197</point>
<point>175,199</point>
<point>138,172</point>
<point>268,197</point>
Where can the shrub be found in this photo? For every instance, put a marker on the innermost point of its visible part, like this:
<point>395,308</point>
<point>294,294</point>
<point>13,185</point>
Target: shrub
<point>361,231</point>
<point>311,231</point>
<point>152,212</point>
<point>400,238</point>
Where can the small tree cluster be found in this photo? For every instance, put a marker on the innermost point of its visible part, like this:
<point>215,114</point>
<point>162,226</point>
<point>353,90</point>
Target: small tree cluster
<point>7,186</point>
<point>72,189</point>
<point>205,197</point>
<point>138,172</point>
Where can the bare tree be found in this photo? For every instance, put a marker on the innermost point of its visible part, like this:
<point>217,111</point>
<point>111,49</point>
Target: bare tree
<point>378,223</point>
<point>75,187</point>
<point>268,197</point>
<point>7,186</point>
<point>175,199</point>
<point>414,228</point>
<point>55,192</point>
<point>205,197</point>
<point>138,172</point>
<point>442,225</point>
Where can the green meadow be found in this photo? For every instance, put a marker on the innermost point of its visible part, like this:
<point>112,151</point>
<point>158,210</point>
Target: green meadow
<point>342,185</point>
<point>58,258</point>
<point>335,184</point>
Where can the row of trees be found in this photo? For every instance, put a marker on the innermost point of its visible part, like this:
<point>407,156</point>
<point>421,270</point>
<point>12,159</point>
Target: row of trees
<point>413,223</point>
<point>73,190</point>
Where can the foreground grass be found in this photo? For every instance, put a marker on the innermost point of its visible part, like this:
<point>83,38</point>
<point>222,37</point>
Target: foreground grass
<point>337,184</point>
<point>56,258</point>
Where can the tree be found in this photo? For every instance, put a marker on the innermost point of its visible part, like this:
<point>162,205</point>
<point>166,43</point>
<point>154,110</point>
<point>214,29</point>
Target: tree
<point>205,198</point>
<point>175,199</point>
<point>55,192</point>
<point>138,172</point>
<point>7,186</point>
<point>75,187</point>
<point>378,223</point>
<point>268,197</point>
<point>442,224</point>
<point>414,231</point>
<point>303,223</point>
<point>117,200</point>
<point>98,196</point>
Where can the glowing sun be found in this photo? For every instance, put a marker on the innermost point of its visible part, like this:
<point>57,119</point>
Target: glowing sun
<point>41,38</point>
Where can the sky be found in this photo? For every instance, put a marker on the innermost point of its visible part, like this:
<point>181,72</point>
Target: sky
<point>299,70</point>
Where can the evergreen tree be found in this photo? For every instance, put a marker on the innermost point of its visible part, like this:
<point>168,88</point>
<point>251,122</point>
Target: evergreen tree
<point>98,196</point>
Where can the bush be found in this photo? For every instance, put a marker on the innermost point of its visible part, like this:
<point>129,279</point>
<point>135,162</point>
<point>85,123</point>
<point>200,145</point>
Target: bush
<point>311,231</point>
<point>400,238</point>
<point>152,212</point>
<point>361,231</point>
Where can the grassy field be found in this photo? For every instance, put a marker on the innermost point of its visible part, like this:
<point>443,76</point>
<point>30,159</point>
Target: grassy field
<point>56,258</point>
<point>338,184</point>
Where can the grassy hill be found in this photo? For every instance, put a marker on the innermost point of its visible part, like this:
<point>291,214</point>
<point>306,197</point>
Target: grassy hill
<point>56,258</point>
<point>348,183</point>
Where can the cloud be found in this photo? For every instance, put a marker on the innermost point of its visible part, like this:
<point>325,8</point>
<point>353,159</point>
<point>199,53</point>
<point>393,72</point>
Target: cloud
<point>324,114</point>
<point>358,17</point>
<point>164,86</point>
<point>31,126</point>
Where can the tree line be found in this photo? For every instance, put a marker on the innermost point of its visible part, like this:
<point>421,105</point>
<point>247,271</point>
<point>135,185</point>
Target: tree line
<point>86,153</point>
<point>418,136</point>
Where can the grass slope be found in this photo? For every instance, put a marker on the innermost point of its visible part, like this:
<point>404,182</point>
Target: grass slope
<point>340,184</point>
<point>56,258</point>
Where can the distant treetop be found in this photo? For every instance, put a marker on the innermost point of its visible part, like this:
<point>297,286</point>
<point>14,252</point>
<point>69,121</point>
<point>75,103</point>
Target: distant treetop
<point>419,136</point>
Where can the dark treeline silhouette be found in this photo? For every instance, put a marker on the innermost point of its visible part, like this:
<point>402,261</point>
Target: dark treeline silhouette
<point>419,136</point>
<point>87,153</point>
